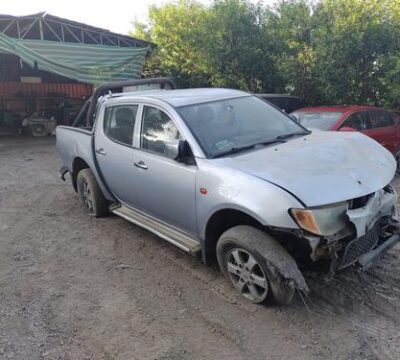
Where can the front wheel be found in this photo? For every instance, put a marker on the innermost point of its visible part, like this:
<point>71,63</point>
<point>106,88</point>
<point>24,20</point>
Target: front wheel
<point>239,253</point>
<point>95,204</point>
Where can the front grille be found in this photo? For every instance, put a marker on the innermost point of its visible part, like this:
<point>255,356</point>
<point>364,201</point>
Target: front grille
<point>360,246</point>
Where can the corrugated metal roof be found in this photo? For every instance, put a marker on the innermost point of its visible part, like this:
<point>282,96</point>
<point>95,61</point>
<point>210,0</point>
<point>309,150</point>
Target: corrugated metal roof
<point>44,26</point>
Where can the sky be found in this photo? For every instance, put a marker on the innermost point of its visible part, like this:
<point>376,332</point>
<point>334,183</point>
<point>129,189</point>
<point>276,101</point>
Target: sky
<point>114,15</point>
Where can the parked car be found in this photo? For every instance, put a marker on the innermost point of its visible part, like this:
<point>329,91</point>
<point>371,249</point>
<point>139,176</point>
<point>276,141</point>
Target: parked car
<point>380,124</point>
<point>223,175</point>
<point>287,103</point>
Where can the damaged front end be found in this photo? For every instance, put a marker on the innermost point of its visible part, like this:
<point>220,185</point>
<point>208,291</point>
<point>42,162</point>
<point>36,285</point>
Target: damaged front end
<point>358,231</point>
<point>376,229</point>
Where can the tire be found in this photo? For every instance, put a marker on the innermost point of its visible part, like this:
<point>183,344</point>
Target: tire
<point>247,244</point>
<point>94,202</point>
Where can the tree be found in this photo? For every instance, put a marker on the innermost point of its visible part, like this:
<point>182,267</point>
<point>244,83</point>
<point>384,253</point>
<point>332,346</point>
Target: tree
<point>350,39</point>
<point>328,51</point>
<point>237,53</point>
<point>289,24</point>
<point>176,29</point>
<point>219,45</point>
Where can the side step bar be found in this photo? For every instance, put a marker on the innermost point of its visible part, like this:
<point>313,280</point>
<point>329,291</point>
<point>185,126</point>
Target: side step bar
<point>160,229</point>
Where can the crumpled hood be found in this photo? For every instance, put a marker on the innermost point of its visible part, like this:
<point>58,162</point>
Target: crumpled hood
<point>320,168</point>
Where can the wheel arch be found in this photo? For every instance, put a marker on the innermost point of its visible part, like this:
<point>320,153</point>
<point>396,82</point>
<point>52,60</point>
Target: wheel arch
<point>78,164</point>
<point>220,221</point>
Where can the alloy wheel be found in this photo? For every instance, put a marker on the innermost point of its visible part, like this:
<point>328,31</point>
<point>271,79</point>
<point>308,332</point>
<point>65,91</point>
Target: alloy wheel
<point>87,198</point>
<point>247,275</point>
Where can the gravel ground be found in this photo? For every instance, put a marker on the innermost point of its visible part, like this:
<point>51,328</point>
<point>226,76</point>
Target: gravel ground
<point>73,287</point>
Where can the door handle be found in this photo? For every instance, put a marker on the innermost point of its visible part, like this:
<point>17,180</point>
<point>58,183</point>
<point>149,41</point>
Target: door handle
<point>141,165</point>
<point>101,151</point>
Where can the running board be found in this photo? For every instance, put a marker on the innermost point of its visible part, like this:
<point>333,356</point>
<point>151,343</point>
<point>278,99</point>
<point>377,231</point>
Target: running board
<point>162,230</point>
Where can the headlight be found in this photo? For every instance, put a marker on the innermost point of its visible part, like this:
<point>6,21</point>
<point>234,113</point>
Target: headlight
<point>325,221</point>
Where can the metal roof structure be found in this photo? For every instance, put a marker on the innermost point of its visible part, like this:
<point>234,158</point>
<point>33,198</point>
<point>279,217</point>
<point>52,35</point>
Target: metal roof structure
<point>43,26</point>
<point>72,49</point>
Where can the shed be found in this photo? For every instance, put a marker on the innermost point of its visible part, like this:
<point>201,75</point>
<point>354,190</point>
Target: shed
<point>49,65</point>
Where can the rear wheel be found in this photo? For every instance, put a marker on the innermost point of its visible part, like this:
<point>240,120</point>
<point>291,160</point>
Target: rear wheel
<point>94,202</point>
<point>239,252</point>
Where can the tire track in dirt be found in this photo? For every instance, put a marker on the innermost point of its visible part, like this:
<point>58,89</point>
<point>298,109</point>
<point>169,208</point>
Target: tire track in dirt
<point>104,288</point>
<point>370,300</point>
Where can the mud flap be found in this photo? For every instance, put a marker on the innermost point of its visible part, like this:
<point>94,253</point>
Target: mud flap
<point>62,172</point>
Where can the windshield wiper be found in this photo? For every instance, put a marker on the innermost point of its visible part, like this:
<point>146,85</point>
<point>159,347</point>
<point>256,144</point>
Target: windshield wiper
<point>272,141</point>
<point>280,138</point>
<point>285,136</point>
<point>233,150</point>
<point>247,147</point>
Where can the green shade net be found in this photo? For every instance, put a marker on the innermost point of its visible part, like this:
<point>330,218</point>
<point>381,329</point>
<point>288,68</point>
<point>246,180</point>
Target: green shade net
<point>91,64</point>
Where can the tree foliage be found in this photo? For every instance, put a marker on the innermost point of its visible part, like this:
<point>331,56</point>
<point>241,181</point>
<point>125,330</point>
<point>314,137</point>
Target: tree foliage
<point>176,29</point>
<point>236,51</point>
<point>328,51</point>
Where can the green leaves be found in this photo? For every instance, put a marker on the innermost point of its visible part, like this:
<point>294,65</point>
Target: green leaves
<point>236,50</point>
<point>330,51</point>
<point>176,29</point>
<point>351,39</point>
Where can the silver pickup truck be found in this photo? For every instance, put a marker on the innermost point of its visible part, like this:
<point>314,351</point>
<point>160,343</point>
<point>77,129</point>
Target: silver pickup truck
<point>226,176</point>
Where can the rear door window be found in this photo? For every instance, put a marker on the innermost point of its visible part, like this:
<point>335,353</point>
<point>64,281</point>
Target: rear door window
<point>380,119</point>
<point>119,122</point>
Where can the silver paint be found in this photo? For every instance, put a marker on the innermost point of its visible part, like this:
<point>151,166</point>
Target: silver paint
<point>320,169</point>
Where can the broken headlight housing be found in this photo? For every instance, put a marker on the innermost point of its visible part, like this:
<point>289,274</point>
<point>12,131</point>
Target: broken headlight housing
<point>324,221</point>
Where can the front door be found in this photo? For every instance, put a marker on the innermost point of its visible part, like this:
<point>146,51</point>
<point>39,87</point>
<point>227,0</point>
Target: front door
<point>165,187</point>
<point>114,151</point>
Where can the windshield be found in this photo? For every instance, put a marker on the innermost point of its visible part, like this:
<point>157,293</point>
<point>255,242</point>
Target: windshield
<point>317,120</point>
<point>230,125</point>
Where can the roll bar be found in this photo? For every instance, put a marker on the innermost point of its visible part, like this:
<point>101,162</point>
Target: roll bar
<point>86,116</point>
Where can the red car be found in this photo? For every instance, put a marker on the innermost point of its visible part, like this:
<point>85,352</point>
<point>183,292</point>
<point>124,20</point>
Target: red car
<point>380,124</point>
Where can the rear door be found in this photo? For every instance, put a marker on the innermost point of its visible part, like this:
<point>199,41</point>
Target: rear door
<point>114,150</point>
<point>381,127</point>
<point>165,187</point>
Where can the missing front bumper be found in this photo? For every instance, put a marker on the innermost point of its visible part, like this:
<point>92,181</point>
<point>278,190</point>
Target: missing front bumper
<point>369,259</point>
<point>368,249</point>
<point>376,230</point>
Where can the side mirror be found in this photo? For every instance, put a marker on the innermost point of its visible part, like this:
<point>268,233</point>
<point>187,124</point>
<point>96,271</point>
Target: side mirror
<point>178,150</point>
<point>294,118</point>
<point>172,148</point>
<point>347,128</point>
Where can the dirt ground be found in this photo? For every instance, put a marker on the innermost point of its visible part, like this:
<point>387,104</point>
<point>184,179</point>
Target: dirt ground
<point>73,287</point>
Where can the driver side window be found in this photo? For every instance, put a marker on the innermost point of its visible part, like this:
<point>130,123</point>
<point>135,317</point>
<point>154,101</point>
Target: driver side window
<point>157,127</point>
